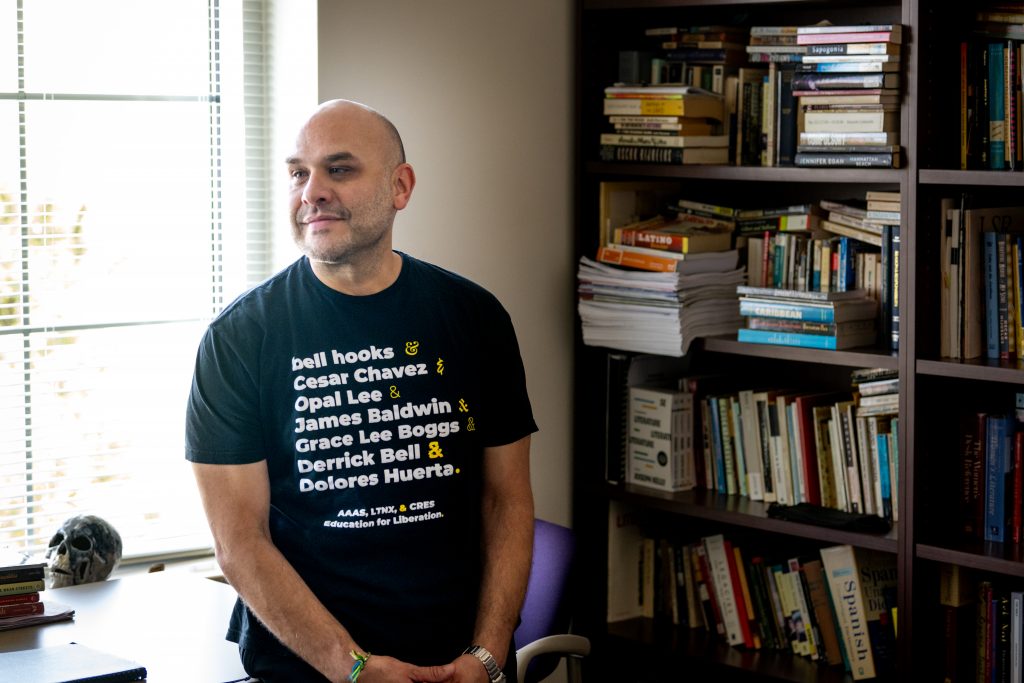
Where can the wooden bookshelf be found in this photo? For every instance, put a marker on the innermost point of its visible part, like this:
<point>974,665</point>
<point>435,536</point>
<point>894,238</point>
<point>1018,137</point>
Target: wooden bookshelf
<point>933,390</point>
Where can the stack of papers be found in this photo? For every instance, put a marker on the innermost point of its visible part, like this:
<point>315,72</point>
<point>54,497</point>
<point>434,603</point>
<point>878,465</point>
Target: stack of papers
<point>652,312</point>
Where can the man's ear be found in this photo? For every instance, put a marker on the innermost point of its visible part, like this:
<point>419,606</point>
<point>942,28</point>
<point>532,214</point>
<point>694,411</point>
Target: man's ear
<point>403,179</point>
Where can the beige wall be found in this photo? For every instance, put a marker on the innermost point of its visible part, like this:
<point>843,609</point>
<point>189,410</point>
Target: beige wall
<point>482,93</point>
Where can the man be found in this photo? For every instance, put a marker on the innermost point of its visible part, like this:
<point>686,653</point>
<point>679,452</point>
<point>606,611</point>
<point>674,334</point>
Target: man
<point>359,430</point>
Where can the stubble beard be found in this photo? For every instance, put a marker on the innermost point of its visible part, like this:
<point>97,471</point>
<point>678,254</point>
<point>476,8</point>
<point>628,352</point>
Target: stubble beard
<point>362,236</point>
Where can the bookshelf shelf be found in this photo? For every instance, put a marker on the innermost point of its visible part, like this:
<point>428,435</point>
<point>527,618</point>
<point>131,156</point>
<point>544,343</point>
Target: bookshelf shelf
<point>856,358</point>
<point>677,648</point>
<point>741,511</point>
<point>752,173</point>
<point>981,369</point>
<point>978,178</point>
<point>996,559</point>
<point>935,393</point>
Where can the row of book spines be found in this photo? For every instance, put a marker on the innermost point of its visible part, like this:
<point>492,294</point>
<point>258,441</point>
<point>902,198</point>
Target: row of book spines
<point>990,104</point>
<point>790,449</point>
<point>771,123</point>
<point>1004,295</point>
<point>820,608</point>
<point>762,132</point>
<point>851,264</point>
<point>991,477</point>
<point>818,264</point>
<point>983,638</point>
<point>709,584</point>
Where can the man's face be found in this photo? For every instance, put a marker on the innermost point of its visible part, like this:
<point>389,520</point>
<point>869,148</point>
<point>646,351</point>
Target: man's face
<point>342,195</point>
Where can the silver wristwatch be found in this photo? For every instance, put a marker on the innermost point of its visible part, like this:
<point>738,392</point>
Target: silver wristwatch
<point>494,672</point>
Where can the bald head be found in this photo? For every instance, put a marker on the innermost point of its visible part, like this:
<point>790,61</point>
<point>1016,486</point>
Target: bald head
<point>337,111</point>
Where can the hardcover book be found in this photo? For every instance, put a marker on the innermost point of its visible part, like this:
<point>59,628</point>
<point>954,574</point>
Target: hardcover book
<point>72,663</point>
<point>843,577</point>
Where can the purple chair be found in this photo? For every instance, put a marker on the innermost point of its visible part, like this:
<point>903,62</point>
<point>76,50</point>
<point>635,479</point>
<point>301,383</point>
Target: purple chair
<point>542,639</point>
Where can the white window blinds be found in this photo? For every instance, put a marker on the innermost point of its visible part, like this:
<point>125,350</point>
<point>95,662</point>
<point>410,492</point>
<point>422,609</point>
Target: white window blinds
<point>133,180</point>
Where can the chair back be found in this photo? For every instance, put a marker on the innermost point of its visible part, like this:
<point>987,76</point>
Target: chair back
<point>546,609</point>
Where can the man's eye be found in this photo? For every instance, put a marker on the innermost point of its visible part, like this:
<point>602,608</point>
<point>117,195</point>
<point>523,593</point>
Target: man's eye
<point>297,175</point>
<point>338,170</point>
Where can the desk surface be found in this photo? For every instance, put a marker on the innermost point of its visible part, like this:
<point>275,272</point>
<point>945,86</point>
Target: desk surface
<point>173,624</point>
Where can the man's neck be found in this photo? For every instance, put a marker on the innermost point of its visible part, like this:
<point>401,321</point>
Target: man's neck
<point>361,279</point>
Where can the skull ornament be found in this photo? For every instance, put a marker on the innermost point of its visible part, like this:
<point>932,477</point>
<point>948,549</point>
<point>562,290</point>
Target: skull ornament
<point>86,548</point>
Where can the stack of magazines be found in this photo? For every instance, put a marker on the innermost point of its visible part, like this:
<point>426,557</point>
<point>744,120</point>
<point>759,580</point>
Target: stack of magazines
<point>653,312</point>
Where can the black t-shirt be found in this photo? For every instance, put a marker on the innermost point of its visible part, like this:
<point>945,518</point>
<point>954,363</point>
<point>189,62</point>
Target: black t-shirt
<point>371,413</point>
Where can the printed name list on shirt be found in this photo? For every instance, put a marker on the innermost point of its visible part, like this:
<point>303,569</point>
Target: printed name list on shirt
<point>360,433</point>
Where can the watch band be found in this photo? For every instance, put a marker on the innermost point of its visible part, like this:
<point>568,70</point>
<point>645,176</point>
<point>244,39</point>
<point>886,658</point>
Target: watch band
<point>494,672</point>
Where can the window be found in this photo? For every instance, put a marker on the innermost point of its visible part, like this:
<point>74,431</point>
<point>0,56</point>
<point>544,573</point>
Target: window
<point>132,207</point>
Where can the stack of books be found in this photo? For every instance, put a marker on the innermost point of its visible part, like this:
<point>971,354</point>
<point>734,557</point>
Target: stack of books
<point>981,272</point>
<point>990,99</point>
<point>878,405</point>
<point>695,231</point>
<point>21,583</point>
<point>703,56</point>
<point>847,89</point>
<point>665,124</point>
<point>819,320</point>
<point>659,312</point>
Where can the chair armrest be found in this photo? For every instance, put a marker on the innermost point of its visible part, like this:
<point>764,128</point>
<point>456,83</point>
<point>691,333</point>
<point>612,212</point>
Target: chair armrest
<point>561,644</point>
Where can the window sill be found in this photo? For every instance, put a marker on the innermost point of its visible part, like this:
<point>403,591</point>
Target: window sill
<point>205,566</point>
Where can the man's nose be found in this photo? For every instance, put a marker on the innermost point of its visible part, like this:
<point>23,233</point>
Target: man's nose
<point>316,189</point>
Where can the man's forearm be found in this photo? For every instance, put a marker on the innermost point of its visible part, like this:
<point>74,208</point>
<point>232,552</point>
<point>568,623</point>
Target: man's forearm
<point>282,601</point>
<point>507,551</point>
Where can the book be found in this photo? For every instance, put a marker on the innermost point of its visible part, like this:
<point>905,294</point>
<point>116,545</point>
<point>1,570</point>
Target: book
<point>660,445</point>
<point>725,590</point>
<point>19,598</point>
<point>824,99</point>
<point>69,663</point>
<point>660,260</point>
<point>755,322</point>
<point>20,587</point>
<point>19,610</point>
<point>665,155</point>
<point>830,121</point>
<point>808,341</point>
<point>878,583</point>
<point>870,160</point>
<point>834,65</point>
<point>663,101</point>
<point>673,236</point>
<point>844,581</point>
<point>893,36</point>
<point>864,235</point>
<point>650,140</point>
<point>848,138</point>
<point>830,649</point>
<point>844,81</point>
<point>616,416</point>
<point>858,29</point>
<point>830,312</point>
<point>998,462</point>
<point>858,48</point>
<point>15,569</point>
<point>799,295</point>
<point>749,610</point>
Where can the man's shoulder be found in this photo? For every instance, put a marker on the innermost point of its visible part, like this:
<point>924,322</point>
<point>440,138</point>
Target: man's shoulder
<point>261,299</point>
<point>433,275</point>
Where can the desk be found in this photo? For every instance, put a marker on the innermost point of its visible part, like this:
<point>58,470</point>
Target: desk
<point>173,624</point>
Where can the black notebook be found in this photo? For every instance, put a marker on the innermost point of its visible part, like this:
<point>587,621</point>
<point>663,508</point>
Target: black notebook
<point>72,663</point>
